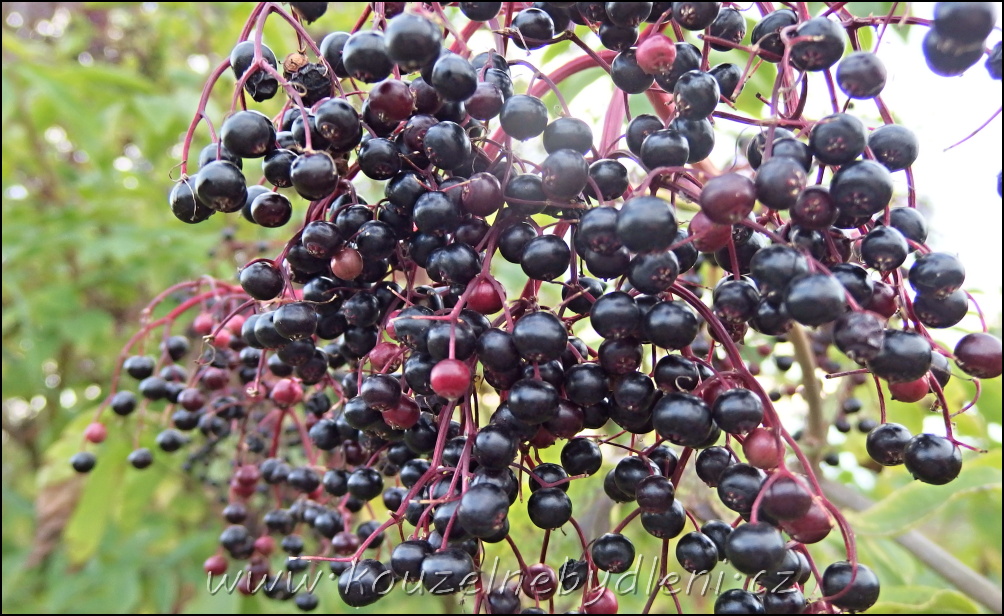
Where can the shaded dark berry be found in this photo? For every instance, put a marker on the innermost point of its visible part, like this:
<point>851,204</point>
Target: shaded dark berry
<point>932,459</point>
<point>817,44</point>
<point>855,587</point>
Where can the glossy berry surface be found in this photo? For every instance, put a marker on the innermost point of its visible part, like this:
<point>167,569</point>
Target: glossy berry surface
<point>932,459</point>
<point>613,552</point>
<point>464,320</point>
<point>856,585</point>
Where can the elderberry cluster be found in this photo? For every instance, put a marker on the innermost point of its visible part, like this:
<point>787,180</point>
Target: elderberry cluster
<point>377,380</point>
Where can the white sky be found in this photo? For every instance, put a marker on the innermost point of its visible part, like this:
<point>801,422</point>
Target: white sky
<point>960,185</point>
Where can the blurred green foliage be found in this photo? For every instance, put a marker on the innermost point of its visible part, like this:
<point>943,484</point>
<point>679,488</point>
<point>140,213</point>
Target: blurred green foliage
<point>95,100</point>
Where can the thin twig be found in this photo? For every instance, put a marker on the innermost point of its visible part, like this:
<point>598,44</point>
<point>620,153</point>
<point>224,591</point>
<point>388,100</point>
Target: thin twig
<point>812,393</point>
<point>969,582</point>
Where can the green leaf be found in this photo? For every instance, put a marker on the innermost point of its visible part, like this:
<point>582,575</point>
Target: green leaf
<point>912,504</point>
<point>571,87</point>
<point>138,491</point>
<point>250,605</point>
<point>98,588</point>
<point>990,400</point>
<point>8,100</point>
<point>866,37</point>
<point>160,592</point>
<point>923,600</point>
<point>551,53</point>
<point>890,561</point>
<point>57,457</point>
<point>93,513</point>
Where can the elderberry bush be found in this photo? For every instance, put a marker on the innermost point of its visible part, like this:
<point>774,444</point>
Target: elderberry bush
<point>378,400</point>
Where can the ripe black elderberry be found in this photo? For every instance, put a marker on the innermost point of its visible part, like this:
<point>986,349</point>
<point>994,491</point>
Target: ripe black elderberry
<point>932,459</point>
<point>441,382</point>
<point>855,587</point>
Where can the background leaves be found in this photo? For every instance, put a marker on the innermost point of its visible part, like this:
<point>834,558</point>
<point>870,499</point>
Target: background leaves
<point>95,98</point>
